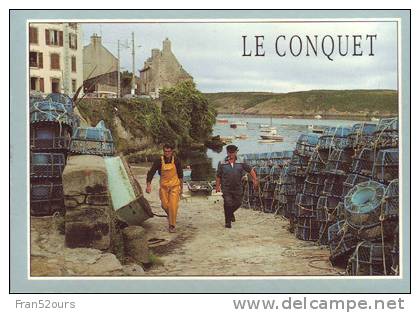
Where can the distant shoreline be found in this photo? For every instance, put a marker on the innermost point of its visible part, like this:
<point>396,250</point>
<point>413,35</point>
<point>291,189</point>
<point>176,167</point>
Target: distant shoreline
<point>352,117</point>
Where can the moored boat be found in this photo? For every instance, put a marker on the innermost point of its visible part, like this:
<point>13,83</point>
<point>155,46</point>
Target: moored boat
<point>272,137</point>
<point>238,124</point>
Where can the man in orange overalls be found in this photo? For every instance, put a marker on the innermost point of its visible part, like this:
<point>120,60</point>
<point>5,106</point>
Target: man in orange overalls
<point>171,183</point>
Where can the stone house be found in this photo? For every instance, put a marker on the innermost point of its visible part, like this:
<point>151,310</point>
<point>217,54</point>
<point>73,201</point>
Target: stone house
<point>161,70</point>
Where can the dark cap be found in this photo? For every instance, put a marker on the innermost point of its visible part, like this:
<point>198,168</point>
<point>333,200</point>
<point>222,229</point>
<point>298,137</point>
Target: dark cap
<point>231,148</point>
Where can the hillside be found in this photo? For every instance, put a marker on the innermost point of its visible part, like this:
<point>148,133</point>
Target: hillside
<point>333,103</point>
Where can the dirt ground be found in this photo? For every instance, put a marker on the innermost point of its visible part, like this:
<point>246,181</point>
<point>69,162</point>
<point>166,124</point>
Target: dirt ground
<point>257,244</point>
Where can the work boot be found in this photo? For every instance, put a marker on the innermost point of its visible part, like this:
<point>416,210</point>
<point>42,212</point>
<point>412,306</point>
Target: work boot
<point>172,229</point>
<point>232,219</point>
<point>228,225</point>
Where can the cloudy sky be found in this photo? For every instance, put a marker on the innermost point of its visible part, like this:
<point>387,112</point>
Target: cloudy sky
<point>212,54</point>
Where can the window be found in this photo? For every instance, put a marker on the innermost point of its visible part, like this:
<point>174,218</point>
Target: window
<point>37,84</point>
<point>55,85</point>
<point>33,35</point>
<point>73,85</point>
<point>72,41</point>
<point>36,59</point>
<point>73,64</point>
<point>53,37</point>
<point>55,61</point>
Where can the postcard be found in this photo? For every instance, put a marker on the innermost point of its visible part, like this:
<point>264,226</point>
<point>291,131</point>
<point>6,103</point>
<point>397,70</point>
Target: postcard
<point>214,151</point>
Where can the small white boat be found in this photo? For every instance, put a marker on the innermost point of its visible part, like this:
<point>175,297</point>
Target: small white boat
<point>316,129</point>
<point>318,117</point>
<point>374,119</point>
<point>226,139</point>
<point>242,136</point>
<point>238,124</point>
<point>264,125</point>
<point>272,137</point>
<point>268,129</point>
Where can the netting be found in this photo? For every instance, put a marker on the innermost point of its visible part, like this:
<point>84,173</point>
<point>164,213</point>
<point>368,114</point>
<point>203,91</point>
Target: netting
<point>386,164</point>
<point>341,242</point>
<point>46,198</point>
<point>390,204</point>
<point>314,184</point>
<point>361,134</point>
<point>386,134</point>
<point>370,259</point>
<point>305,205</point>
<point>316,164</point>
<point>334,138</point>
<point>49,111</point>
<point>363,162</point>
<point>49,137</point>
<point>307,229</point>
<point>339,162</point>
<point>351,181</point>
<point>47,165</point>
<point>92,140</point>
<point>306,144</point>
<point>333,186</point>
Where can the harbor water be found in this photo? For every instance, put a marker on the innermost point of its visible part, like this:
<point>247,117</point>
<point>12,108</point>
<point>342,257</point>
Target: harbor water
<point>203,166</point>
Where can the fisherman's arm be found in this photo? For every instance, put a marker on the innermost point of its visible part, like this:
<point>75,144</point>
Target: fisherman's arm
<point>150,174</point>
<point>219,178</point>
<point>254,179</point>
<point>180,173</point>
<point>248,168</point>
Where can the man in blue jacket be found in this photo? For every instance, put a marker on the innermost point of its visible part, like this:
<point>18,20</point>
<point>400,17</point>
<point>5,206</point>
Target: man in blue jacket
<point>229,181</point>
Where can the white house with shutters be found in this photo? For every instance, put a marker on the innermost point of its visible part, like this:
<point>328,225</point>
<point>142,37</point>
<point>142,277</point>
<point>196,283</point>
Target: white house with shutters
<point>55,57</point>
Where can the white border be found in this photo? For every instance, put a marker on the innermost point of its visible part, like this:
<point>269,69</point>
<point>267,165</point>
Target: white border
<point>217,21</point>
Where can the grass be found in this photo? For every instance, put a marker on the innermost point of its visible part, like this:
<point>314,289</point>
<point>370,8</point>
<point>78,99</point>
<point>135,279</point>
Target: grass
<point>368,102</point>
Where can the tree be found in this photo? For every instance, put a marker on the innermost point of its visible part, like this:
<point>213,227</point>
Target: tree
<point>187,113</point>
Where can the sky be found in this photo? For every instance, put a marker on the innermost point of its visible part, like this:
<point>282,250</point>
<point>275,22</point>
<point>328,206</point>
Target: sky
<point>213,53</point>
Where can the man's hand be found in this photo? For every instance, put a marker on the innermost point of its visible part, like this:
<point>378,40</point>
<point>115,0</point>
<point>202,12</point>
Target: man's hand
<point>149,188</point>
<point>256,185</point>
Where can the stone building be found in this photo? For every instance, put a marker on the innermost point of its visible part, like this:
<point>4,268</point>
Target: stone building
<point>100,67</point>
<point>55,57</point>
<point>161,70</point>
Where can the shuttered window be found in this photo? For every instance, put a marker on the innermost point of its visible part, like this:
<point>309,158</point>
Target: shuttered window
<point>37,84</point>
<point>73,41</point>
<point>73,64</point>
<point>41,84</point>
<point>36,59</point>
<point>33,35</point>
<point>55,61</point>
<point>53,37</point>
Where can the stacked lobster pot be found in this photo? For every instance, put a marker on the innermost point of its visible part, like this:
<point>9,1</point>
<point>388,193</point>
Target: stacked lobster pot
<point>343,243</point>
<point>371,211</point>
<point>368,216</point>
<point>306,225</point>
<point>268,167</point>
<point>92,141</point>
<point>51,124</point>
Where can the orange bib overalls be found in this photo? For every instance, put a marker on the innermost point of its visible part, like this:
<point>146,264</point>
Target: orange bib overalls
<point>169,189</point>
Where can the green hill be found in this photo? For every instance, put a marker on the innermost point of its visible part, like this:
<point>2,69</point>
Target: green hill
<point>333,103</point>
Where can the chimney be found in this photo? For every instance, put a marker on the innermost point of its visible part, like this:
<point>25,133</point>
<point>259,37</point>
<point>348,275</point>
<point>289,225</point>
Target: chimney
<point>155,53</point>
<point>166,45</point>
<point>95,39</point>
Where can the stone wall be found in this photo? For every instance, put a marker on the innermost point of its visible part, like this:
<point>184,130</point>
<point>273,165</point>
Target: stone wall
<point>90,219</point>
